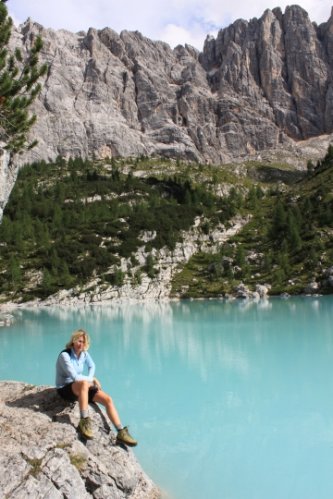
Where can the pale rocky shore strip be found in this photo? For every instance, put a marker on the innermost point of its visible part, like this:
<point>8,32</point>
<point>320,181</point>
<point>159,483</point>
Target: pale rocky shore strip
<point>42,455</point>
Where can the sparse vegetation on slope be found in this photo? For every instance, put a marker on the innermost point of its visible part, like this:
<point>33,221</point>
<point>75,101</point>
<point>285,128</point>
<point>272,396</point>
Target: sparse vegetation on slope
<point>287,243</point>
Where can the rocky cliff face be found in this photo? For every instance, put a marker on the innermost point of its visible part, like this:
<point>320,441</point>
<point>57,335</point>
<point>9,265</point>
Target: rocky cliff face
<point>260,85</point>
<point>41,455</point>
<point>279,69</point>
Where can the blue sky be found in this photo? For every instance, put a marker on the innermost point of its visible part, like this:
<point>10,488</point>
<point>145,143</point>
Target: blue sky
<point>173,21</point>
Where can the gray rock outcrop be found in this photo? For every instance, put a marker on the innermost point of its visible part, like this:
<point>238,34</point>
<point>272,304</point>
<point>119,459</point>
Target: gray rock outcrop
<point>8,173</point>
<point>243,292</point>
<point>42,456</point>
<point>312,288</point>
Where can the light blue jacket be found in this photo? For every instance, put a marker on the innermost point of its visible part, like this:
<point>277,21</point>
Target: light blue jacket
<point>69,368</point>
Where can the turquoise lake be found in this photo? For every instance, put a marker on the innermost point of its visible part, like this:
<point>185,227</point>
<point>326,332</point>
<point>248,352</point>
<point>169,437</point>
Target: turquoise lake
<point>229,400</point>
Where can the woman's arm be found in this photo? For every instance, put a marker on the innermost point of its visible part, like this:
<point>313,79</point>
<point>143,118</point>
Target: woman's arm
<point>91,367</point>
<point>68,370</point>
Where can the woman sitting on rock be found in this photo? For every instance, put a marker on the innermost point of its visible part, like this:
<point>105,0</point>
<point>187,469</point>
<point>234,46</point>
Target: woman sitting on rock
<point>73,385</point>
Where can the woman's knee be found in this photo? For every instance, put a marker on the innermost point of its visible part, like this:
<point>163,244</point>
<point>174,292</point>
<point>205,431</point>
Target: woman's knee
<point>81,385</point>
<point>107,400</point>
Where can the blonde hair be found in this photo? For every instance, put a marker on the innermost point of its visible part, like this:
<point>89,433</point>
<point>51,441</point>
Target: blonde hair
<point>76,335</point>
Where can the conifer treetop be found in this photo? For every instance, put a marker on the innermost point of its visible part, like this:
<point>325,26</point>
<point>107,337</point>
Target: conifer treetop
<point>19,87</point>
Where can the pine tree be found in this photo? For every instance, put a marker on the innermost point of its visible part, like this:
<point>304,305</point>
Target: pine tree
<point>15,274</point>
<point>293,234</point>
<point>279,219</point>
<point>18,87</point>
<point>240,256</point>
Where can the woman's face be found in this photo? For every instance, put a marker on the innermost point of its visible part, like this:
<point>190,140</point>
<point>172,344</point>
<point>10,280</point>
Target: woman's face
<point>79,344</point>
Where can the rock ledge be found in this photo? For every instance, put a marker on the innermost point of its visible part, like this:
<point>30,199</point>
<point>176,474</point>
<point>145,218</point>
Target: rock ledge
<point>42,456</point>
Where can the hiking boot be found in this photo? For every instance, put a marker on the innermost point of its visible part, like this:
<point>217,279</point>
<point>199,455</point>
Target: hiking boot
<point>85,428</point>
<point>123,437</point>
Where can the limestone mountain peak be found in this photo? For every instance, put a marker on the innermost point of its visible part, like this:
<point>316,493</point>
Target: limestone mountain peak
<point>261,84</point>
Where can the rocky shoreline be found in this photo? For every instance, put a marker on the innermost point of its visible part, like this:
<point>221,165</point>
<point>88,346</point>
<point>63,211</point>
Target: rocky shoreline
<point>241,292</point>
<point>42,455</point>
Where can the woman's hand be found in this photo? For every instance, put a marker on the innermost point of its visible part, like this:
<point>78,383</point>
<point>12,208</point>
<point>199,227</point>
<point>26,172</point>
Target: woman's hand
<point>97,383</point>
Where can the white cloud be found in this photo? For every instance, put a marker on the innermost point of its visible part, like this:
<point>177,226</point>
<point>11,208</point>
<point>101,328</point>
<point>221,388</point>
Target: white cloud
<point>175,35</point>
<point>174,21</point>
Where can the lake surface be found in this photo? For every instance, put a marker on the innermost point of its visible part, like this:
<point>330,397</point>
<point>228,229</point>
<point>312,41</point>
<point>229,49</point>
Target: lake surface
<point>229,400</point>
